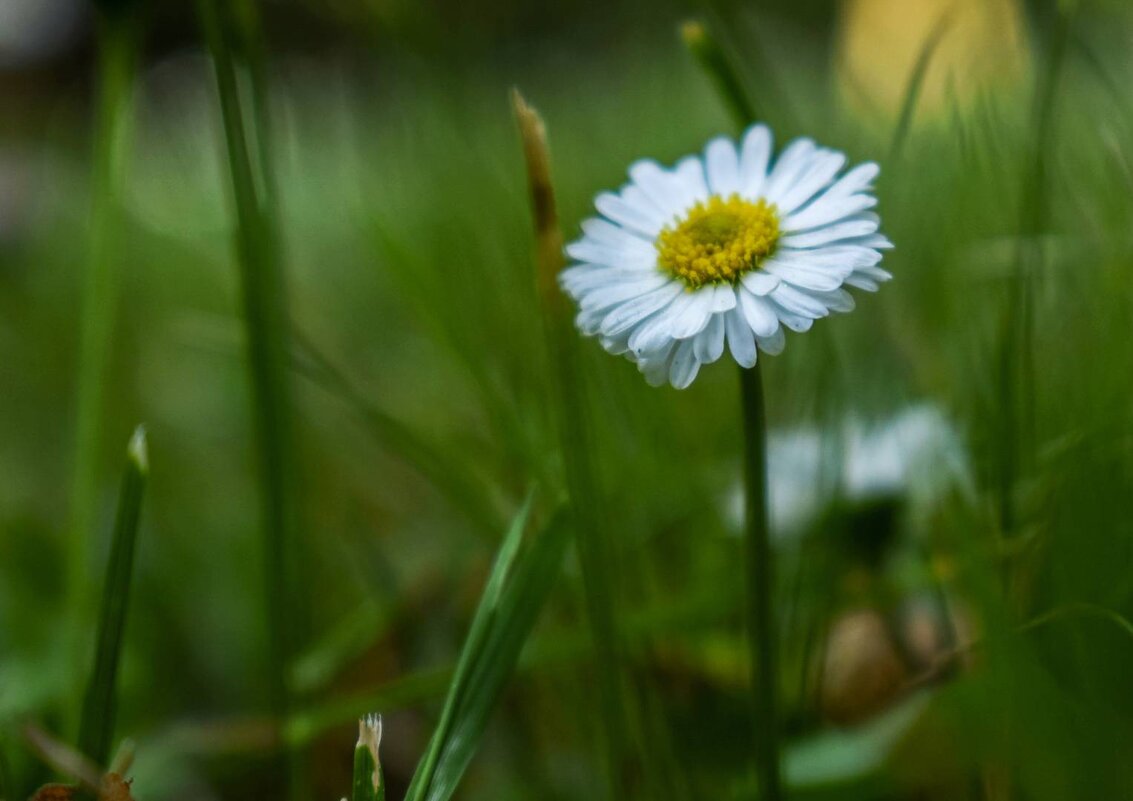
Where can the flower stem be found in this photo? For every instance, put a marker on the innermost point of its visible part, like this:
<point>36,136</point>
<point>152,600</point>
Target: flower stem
<point>759,575</point>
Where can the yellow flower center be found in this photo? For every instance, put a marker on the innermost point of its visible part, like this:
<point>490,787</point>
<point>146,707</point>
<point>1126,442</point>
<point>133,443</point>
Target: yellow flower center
<point>718,240</point>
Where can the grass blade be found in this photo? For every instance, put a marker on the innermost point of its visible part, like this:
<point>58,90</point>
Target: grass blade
<point>265,319</point>
<point>117,56</point>
<point>515,595</point>
<point>452,477</point>
<point>596,555</point>
<point>96,731</point>
<point>473,645</point>
<point>916,83</point>
<point>716,65</point>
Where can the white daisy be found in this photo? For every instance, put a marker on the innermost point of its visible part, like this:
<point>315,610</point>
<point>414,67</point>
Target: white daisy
<point>728,248</point>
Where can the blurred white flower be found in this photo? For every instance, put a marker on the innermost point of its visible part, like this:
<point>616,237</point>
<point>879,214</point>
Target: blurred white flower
<point>916,455</point>
<point>725,248</point>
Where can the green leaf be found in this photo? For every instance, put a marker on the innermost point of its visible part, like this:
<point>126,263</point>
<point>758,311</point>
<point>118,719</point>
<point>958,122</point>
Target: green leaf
<point>97,727</point>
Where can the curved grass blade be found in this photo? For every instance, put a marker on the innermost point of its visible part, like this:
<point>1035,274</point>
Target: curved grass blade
<point>513,598</point>
<point>96,730</point>
<point>449,475</point>
<point>916,83</point>
<point>716,65</point>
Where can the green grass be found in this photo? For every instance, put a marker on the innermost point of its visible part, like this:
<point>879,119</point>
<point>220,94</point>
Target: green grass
<point>421,412</point>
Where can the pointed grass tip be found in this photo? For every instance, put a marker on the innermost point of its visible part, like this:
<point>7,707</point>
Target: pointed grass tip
<point>138,450</point>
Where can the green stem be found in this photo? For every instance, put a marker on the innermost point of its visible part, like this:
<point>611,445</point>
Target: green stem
<point>760,577</point>
<point>117,54</point>
<point>266,325</point>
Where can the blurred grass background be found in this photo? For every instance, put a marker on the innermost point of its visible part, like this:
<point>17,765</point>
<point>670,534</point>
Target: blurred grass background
<point>406,240</point>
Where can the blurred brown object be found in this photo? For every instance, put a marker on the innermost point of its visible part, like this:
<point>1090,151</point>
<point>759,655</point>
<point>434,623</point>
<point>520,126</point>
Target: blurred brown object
<point>862,672</point>
<point>871,662</point>
<point>981,46</point>
<point>114,788</point>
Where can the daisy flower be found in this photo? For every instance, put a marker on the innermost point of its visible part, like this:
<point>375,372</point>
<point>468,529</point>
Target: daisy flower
<point>724,250</point>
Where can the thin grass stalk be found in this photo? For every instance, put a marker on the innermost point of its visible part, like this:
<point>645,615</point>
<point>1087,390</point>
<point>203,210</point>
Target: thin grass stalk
<point>266,325</point>
<point>117,58</point>
<point>568,403</point>
<point>1016,356</point>
<point>96,730</point>
<point>452,477</point>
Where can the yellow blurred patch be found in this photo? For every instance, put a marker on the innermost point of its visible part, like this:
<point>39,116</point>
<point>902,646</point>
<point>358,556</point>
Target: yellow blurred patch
<point>981,47</point>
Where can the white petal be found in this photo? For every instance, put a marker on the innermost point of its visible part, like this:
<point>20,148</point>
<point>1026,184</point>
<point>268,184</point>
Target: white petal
<point>657,332</point>
<point>710,341</point>
<point>868,278</point>
<point>587,250</point>
<point>825,211</point>
<point>861,225</point>
<point>774,344</point>
<point>642,218</point>
<point>817,279</point>
<point>798,301</point>
<point>633,312</point>
<point>859,179</point>
<point>796,322</point>
<point>690,173</point>
<point>858,281</point>
<point>760,314</point>
<point>759,282</point>
<point>657,372</point>
<point>875,273</point>
<point>790,164</point>
<point>838,257</point>
<point>582,279</point>
<point>755,155</point>
<point>695,315</point>
<point>823,166</point>
<point>723,298</point>
<point>877,241</point>
<point>741,341</point>
<point>838,300</point>
<point>607,233</point>
<point>608,296</point>
<point>685,365</point>
<point>663,189</point>
<point>723,167</point>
